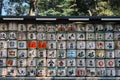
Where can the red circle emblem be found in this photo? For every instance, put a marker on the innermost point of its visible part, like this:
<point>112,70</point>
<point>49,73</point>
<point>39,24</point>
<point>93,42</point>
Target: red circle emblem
<point>100,63</point>
<point>110,63</point>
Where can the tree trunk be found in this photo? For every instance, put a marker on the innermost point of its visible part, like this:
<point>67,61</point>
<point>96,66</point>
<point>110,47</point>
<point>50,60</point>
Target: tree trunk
<point>33,6</point>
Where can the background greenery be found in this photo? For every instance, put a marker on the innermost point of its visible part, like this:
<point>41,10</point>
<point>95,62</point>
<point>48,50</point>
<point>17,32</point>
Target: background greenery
<point>64,7</point>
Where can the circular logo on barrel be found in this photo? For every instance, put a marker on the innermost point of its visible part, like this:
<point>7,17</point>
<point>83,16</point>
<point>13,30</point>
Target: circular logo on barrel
<point>110,63</point>
<point>100,63</point>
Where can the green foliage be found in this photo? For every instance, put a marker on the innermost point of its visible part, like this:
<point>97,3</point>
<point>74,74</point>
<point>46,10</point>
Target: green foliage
<point>106,12</point>
<point>104,9</point>
<point>55,7</point>
<point>50,12</point>
<point>68,12</point>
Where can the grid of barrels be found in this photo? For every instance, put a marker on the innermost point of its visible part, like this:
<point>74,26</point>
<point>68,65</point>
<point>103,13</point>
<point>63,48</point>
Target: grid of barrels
<point>59,49</point>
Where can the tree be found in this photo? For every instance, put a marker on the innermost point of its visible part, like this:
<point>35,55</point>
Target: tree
<point>49,7</point>
<point>115,7</point>
<point>95,7</point>
<point>104,9</point>
<point>62,7</point>
<point>85,6</point>
<point>69,7</point>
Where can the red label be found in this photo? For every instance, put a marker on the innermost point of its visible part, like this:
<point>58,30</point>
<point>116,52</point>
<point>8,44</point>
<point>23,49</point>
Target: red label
<point>9,62</point>
<point>32,44</point>
<point>81,72</point>
<point>42,45</point>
